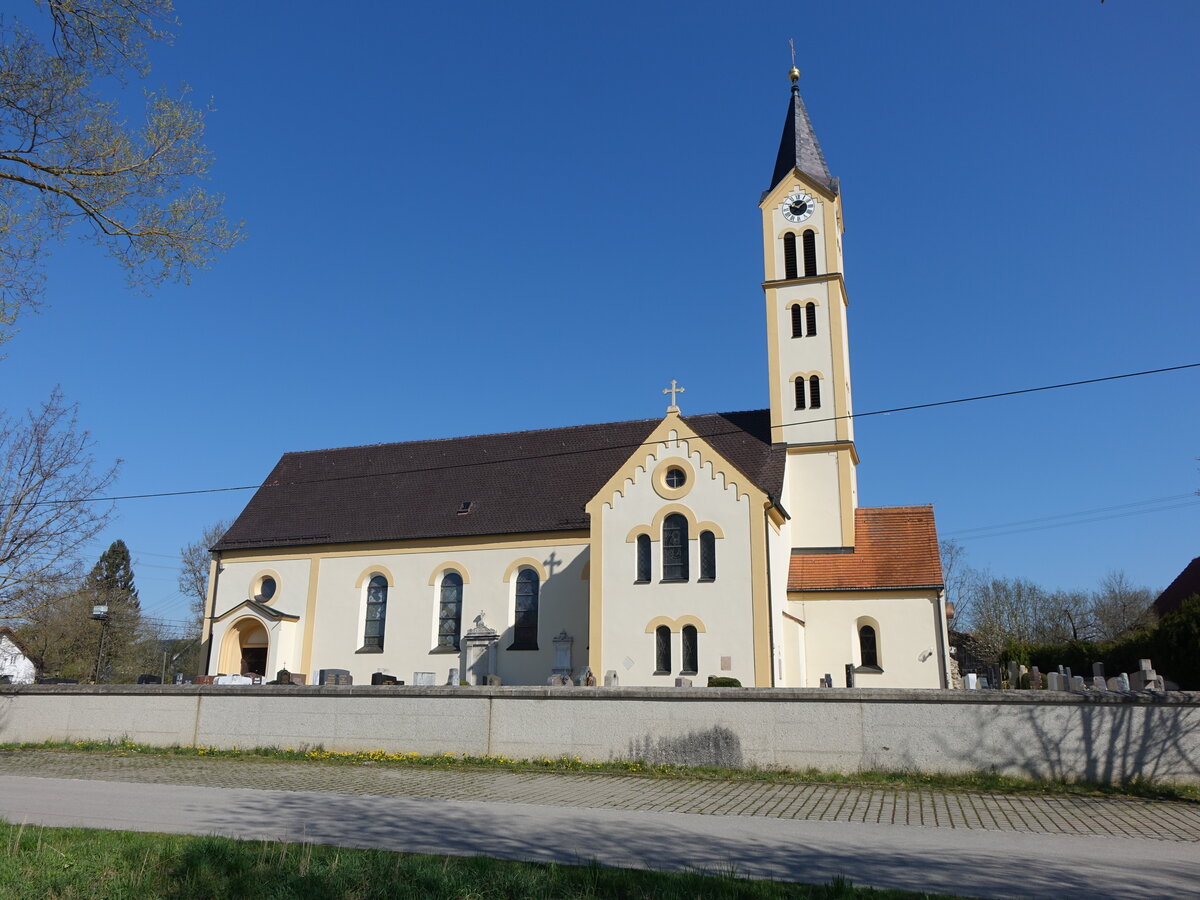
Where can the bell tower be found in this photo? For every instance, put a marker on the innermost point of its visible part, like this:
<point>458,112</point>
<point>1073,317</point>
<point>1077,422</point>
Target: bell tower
<point>807,342</point>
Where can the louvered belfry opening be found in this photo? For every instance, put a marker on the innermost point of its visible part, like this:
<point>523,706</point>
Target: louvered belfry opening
<point>797,321</point>
<point>810,253</point>
<point>810,314</point>
<point>800,392</point>
<point>789,256</point>
<point>814,393</point>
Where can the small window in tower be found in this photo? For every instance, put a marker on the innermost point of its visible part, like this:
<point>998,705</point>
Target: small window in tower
<point>800,392</point>
<point>797,321</point>
<point>814,392</point>
<point>810,253</point>
<point>810,315</point>
<point>789,255</point>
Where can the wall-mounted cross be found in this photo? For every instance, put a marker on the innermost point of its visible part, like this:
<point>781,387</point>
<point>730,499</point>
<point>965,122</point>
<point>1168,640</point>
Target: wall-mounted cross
<point>673,390</point>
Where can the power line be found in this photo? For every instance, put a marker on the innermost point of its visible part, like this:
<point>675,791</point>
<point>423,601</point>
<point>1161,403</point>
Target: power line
<point>1071,515</point>
<point>1122,515</point>
<point>632,446</point>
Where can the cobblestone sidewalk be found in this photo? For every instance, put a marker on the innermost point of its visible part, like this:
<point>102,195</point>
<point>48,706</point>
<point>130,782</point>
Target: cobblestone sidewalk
<point>1064,814</point>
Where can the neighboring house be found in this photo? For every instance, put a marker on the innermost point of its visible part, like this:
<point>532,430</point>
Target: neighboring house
<point>727,544</point>
<point>15,664</point>
<point>1186,585</point>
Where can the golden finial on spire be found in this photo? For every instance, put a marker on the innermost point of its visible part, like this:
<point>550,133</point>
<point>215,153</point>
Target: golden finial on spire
<point>793,73</point>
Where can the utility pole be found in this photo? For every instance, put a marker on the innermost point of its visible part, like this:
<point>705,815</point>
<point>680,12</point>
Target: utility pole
<point>100,613</point>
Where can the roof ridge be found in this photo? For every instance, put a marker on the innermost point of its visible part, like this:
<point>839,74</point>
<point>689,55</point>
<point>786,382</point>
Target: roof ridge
<point>494,434</point>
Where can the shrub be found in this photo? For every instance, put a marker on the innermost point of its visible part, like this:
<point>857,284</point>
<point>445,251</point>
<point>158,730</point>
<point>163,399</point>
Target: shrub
<point>720,681</point>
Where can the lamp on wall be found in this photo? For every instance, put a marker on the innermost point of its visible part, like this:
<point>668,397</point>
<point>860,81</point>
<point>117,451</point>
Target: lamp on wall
<point>925,654</point>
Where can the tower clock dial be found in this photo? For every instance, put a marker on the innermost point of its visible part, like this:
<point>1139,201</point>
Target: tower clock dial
<point>798,206</point>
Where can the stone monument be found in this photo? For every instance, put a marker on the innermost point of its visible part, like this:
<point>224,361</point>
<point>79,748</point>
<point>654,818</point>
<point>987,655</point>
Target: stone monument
<point>479,645</point>
<point>562,654</point>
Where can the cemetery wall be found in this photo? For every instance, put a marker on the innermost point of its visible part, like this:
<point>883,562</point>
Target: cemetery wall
<point>1098,736</point>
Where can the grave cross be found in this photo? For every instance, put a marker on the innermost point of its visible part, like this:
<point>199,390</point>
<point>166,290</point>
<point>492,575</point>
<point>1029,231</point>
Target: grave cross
<point>673,390</point>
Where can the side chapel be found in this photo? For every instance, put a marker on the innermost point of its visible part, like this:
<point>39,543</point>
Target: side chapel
<point>726,544</point>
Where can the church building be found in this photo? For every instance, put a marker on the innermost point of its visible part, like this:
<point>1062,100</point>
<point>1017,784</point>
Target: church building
<point>723,544</point>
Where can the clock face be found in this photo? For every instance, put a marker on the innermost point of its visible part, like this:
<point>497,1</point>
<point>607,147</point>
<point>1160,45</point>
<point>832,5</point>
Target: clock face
<point>798,206</point>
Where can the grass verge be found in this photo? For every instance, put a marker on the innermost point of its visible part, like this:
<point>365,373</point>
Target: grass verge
<point>988,782</point>
<point>69,863</point>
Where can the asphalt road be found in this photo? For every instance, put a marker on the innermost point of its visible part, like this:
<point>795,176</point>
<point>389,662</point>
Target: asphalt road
<point>946,860</point>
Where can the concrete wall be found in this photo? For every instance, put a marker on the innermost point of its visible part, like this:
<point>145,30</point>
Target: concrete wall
<point>1109,737</point>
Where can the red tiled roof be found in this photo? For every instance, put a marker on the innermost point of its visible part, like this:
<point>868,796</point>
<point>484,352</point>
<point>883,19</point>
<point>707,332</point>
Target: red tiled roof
<point>894,547</point>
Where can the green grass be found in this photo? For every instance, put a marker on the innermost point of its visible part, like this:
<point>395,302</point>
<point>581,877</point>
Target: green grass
<point>988,782</point>
<point>68,863</point>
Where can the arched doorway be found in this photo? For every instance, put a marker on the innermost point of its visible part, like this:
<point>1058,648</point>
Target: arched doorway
<point>244,649</point>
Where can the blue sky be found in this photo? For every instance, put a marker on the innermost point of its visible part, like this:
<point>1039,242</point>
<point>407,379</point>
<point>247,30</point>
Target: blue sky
<point>471,217</point>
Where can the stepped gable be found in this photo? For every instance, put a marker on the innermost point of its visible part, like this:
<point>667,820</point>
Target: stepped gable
<point>518,482</point>
<point>895,547</point>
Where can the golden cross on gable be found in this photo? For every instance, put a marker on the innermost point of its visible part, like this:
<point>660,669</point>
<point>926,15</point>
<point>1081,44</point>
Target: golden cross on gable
<point>673,390</point>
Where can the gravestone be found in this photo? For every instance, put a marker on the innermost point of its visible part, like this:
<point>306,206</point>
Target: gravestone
<point>1099,683</point>
<point>683,682</point>
<point>827,681</point>
<point>1145,666</point>
<point>1055,681</point>
<point>149,679</point>
<point>425,679</point>
<point>1035,679</point>
<point>493,681</point>
<point>1098,670</point>
<point>1123,681</point>
<point>1067,674</point>
<point>480,644</point>
<point>972,681</point>
<point>586,678</point>
<point>333,676</point>
<point>610,678</point>
<point>452,678</point>
<point>562,653</point>
<point>1014,675</point>
<point>1114,683</point>
<point>379,678</point>
<point>849,675</point>
<point>1077,683</point>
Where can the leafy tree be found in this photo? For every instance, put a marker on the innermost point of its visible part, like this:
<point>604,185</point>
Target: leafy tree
<point>68,157</point>
<point>110,584</point>
<point>49,488</point>
<point>194,560</point>
<point>111,579</point>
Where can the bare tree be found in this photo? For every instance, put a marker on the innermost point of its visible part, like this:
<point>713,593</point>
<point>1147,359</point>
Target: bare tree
<point>50,496</point>
<point>1120,606</point>
<point>68,156</point>
<point>194,560</point>
<point>957,577</point>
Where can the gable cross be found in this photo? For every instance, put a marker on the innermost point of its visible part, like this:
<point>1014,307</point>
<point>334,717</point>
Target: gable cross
<point>673,390</point>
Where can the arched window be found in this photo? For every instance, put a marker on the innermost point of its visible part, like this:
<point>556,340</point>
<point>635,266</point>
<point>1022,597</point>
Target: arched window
<point>810,253</point>
<point>525,625</point>
<point>643,558</point>
<point>675,548</point>
<point>708,558</point>
<point>690,653</point>
<point>450,611</point>
<point>377,591</point>
<point>810,316</point>
<point>789,255</point>
<point>814,393</point>
<point>869,651</point>
<point>797,321</point>
<point>662,650</point>
<point>800,392</point>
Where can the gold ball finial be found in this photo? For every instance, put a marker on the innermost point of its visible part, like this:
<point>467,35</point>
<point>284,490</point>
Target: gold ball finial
<point>794,74</point>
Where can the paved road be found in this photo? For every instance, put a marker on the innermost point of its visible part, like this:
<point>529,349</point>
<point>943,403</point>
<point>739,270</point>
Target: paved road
<point>754,829</point>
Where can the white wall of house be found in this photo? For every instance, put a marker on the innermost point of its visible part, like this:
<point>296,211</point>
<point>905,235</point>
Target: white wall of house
<point>15,664</point>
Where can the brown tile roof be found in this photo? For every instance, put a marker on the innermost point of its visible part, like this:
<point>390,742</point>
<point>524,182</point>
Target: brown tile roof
<point>1180,589</point>
<point>518,482</point>
<point>894,547</point>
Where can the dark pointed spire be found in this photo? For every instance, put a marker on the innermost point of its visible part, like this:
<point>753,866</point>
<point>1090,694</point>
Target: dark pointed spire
<point>798,148</point>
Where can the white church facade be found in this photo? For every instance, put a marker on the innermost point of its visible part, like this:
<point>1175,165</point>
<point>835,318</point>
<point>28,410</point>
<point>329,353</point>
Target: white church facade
<point>727,544</point>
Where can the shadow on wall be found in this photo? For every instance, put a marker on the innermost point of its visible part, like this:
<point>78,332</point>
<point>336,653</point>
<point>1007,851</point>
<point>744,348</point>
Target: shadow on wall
<point>717,746</point>
<point>1105,740</point>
